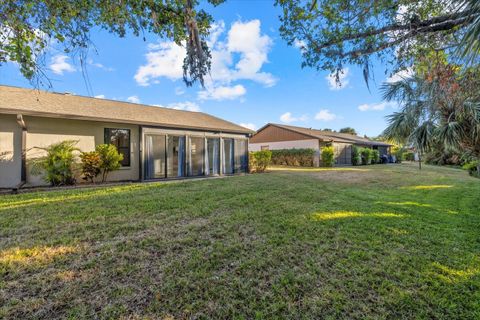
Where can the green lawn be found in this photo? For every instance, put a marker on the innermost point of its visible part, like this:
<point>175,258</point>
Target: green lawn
<point>377,242</point>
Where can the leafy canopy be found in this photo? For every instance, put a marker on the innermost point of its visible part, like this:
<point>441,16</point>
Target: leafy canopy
<point>334,33</point>
<point>28,27</point>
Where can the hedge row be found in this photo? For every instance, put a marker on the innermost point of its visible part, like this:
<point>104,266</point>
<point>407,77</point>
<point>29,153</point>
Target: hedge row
<point>293,157</point>
<point>364,156</point>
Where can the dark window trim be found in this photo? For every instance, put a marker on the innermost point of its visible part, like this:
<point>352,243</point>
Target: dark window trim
<point>107,140</point>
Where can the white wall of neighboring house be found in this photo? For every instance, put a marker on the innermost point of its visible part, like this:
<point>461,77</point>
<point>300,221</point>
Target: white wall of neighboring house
<point>294,144</point>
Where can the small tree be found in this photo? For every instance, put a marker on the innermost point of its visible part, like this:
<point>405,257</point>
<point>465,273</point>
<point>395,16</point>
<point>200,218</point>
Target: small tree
<point>260,160</point>
<point>375,156</point>
<point>348,130</point>
<point>91,165</point>
<point>57,164</point>
<point>110,159</point>
<point>356,156</point>
<point>328,156</point>
<point>366,156</point>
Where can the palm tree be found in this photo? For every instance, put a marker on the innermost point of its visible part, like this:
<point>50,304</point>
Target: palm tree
<point>470,43</point>
<point>438,106</point>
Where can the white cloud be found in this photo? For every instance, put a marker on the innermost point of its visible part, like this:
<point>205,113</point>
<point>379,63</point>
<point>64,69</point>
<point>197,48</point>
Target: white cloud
<point>179,91</point>
<point>342,82</point>
<point>240,55</point>
<point>187,106</point>
<point>300,44</point>
<point>400,75</point>
<point>325,115</point>
<point>377,106</point>
<point>133,99</point>
<point>59,64</point>
<point>222,93</point>
<point>250,126</point>
<point>163,60</point>
<point>100,96</point>
<point>287,117</point>
<point>99,65</point>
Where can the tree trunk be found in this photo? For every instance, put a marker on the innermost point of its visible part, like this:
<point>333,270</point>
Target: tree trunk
<point>419,162</point>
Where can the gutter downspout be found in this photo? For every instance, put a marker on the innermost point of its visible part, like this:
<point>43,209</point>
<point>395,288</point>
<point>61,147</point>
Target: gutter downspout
<point>23,172</point>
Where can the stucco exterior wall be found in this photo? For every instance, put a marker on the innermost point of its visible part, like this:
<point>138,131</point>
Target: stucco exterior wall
<point>295,144</point>
<point>42,132</point>
<point>10,151</point>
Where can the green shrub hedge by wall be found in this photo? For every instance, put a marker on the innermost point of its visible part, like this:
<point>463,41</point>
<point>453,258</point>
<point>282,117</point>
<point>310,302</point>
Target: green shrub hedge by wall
<point>259,160</point>
<point>356,156</point>
<point>328,157</point>
<point>293,157</point>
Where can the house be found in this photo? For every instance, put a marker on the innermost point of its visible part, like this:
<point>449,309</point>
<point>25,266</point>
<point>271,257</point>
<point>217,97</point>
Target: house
<point>156,143</point>
<point>278,136</point>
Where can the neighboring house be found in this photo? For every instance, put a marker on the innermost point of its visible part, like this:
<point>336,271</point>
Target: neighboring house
<point>278,136</point>
<point>156,143</point>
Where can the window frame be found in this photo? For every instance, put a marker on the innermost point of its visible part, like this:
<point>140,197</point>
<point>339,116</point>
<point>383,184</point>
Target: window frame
<point>107,139</point>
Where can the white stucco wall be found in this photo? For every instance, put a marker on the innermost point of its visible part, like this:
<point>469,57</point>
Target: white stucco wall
<point>10,151</point>
<point>294,144</point>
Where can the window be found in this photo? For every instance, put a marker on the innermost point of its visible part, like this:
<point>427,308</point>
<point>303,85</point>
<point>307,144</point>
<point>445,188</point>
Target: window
<point>212,166</point>
<point>241,157</point>
<point>120,138</point>
<point>227,156</point>
<point>155,162</point>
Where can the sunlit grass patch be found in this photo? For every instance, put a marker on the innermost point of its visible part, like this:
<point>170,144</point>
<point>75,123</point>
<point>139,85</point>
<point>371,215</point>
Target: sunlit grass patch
<point>405,203</point>
<point>430,187</point>
<point>454,275</point>
<point>28,256</point>
<point>320,169</point>
<point>352,214</point>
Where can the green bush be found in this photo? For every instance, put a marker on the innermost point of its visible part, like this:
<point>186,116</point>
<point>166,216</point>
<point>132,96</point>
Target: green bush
<point>375,156</point>
<point>91,165</point>
<point>472,168</point>
<point>293,157</point>
<point>58,164</point>
<point>356,156</point>
<point>259,160</point>
<point>408,155</point>
<point>366,155</point>
<point>328,156</point>
<point>399,154</point>
<point>109,159</point>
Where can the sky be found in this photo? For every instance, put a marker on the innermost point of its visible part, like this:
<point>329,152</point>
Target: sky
<point>256,78</point>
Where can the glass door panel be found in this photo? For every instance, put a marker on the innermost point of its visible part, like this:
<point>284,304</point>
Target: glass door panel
<point>175,156</point>
<point>197,156</point>
<point>227,156</point>
<point>212,157</point>
<point>154,160</point>
<point>241,157</point>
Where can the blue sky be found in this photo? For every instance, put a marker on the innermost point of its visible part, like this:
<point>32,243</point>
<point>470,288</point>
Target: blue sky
<point>256,77</point>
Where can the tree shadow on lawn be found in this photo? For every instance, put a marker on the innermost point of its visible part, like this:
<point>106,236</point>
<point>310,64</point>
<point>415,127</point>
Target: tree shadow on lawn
<point>232,251</point>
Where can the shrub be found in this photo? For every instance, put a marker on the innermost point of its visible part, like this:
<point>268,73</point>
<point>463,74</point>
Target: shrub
<point>356,156</point>
<point>109,159</point>
<point>472,168</point>
<point>399,154</point>
<point>91,165</point>
<point>260,160</point>
<point>293,157</point>
<point>328,156</point>
<point>409,156</point>
<point>58,164</point>
<point>366,155</point>
<point>375,156</point>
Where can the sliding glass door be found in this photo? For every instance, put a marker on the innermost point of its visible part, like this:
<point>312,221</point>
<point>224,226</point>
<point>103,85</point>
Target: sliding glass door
<point>197,156</point>
<point>154,167</point>
<point>227,156</point>
<point>175,156</point>
<point>241,157</point>
<point>212,157</point>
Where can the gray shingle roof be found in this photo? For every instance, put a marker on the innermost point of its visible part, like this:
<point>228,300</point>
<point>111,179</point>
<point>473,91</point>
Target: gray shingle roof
<point>59,105</point>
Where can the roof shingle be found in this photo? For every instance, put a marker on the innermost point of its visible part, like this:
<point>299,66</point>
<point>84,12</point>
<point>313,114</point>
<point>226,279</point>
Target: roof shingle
<point>59,105</point>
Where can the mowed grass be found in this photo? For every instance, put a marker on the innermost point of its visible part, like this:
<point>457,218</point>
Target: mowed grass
<point>376,242</point>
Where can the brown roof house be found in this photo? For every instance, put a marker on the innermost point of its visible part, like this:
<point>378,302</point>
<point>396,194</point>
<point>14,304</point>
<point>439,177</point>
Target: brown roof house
<point>157,143</point>
<point>278,136</point>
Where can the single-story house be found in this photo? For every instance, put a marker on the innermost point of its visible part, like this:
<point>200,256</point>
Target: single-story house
<point>274,136</point>
<point>156,143</point>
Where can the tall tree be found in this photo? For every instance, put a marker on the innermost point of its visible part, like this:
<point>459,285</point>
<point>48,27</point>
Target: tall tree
<point>28,26</point>
<point>348,130</point>
<point>334,33</point>
<point>440,105</point>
